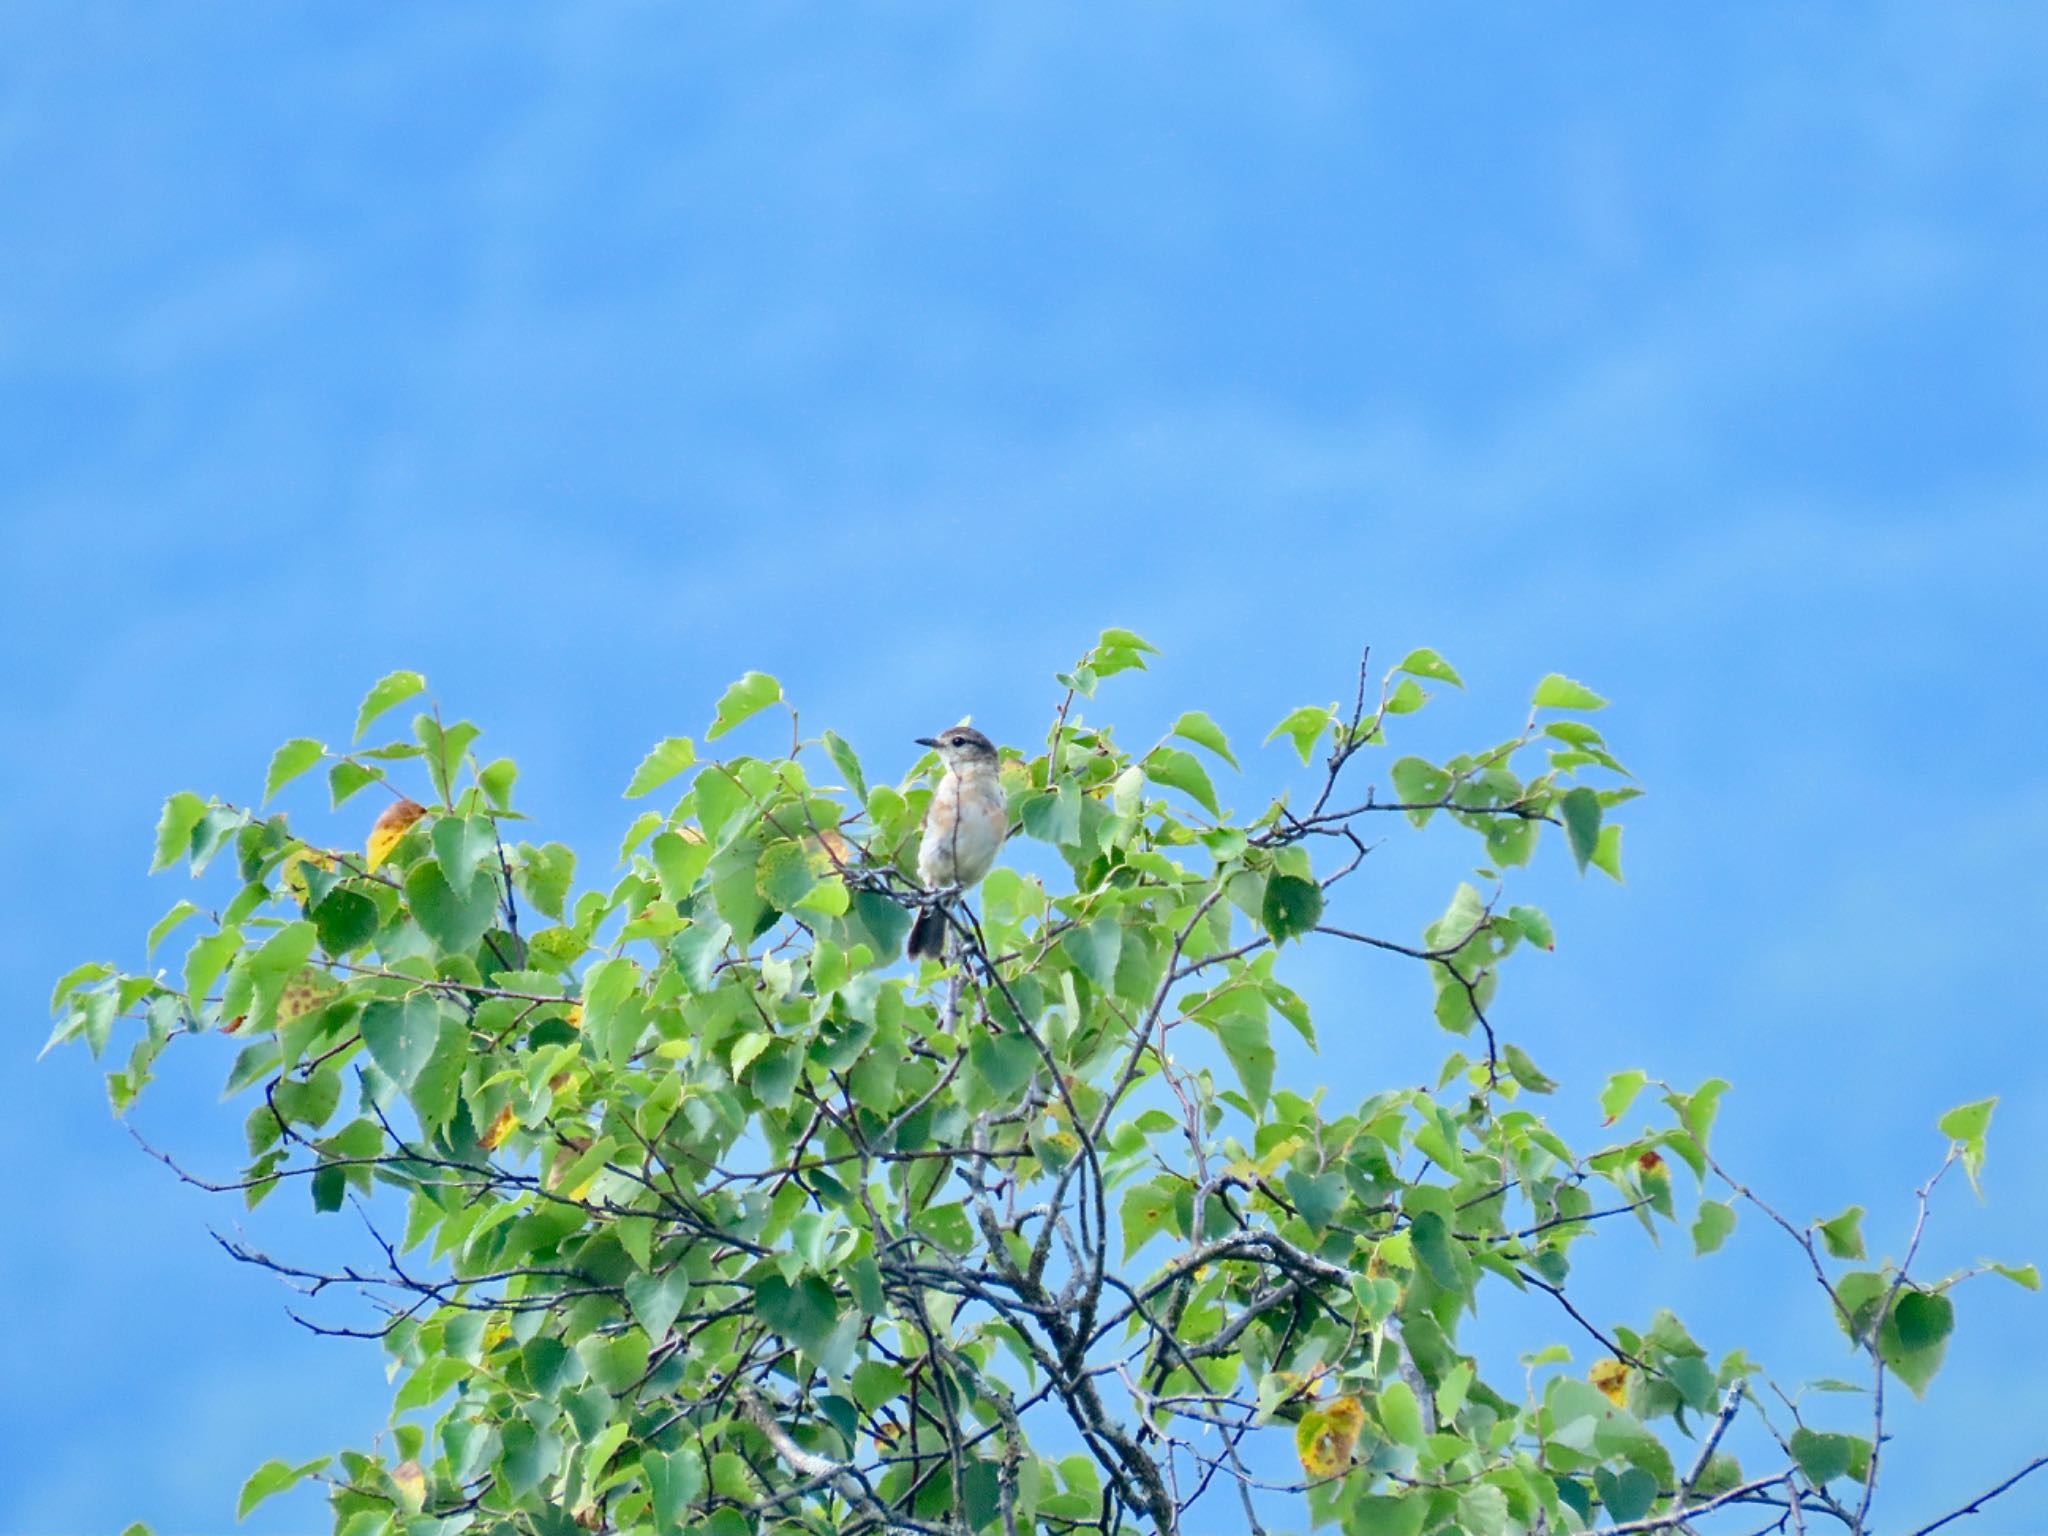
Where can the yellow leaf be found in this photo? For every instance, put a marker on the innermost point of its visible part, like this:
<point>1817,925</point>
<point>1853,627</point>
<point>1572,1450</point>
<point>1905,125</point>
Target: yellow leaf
<point>1326,1436</point>
<point>1611,1377</point>
<point>1277,1154</point>
<point>575,1015</point>
<point>389,827</point>
<point>501,1127</point>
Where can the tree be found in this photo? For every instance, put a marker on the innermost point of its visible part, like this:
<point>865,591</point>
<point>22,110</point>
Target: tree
<point>693,1207</point>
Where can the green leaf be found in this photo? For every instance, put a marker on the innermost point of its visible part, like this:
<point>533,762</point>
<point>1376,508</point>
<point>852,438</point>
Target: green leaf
<point>1627,1495</point>
<point>1197,727</point>
<point>1607,851</point>
<point>345,778</point>
<point>1408,696</point>
<point>1967,1122</point>
<point>1317,1196</point>
<point>1966,1125</point>
<point>679,862</point>
<point>1182,771</point>
<point>1694,1379</point>
<point>462,845</point>
<point>1822,1457</point>
<point>2026,1276</point>
<point>1053,816</point>
<point>805,1312</point>
<point>206,959</point>
<point>1303,726</point>
<point>1914,1338</point>
<point>743,700</point>
<point>677,1482</point>
<point>1292,907</point>
<point>443,747</point>
<point>346,921</point>
<point>1923,1318</point>
<point>1525,1071</point>
<point>1388,1514</point>
<point>1436,1248</point>
<point>1559,692</point>
<point>1399,1414</point>
<point>1117,649</point>
<point>454,920</point>
<point>1534,924</point>
<point>170,920</point>
<point>497,778</point>
<point>82,975</point>
<point>1246,1038</point>
<point>656,1299</point>
<point>1580,809</point>
<point>848,764</point>
<point>1005,1062</point>
<point>1698,1108</point>
<point>1419,783</point>
<point>547,873</point>
<point>784,876</point>
<point>1711,1227</point>
<point>181,814</point>
<point>273,1477</point>
<point>1149,1209</point>
<point>1843,1234</point>
<point>291,760</point>
<point>1093,947</point>
<point>1620,1092</point>
<point>665,760</point>
<point>402,1035</point>
<point>283,952</point>
<point>392,689</point>
<point>1426,663</point>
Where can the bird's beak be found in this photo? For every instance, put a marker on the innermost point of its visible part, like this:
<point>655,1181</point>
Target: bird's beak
<point>926,741</point>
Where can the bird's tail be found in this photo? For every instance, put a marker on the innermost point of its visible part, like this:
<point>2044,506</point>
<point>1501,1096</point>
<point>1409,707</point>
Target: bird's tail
<point>927,935</point>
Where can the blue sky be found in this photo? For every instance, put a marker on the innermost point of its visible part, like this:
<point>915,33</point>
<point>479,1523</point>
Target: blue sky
<point>583,356</point>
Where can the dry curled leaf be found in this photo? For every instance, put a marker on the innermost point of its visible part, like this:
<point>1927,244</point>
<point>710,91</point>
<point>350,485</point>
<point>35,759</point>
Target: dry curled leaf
<point>395,821</point>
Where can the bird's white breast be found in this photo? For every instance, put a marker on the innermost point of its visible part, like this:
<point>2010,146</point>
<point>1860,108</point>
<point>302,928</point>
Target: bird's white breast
<point>963,829</point>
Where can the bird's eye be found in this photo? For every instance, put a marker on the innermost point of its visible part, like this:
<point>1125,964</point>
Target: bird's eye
<point>959,741</point>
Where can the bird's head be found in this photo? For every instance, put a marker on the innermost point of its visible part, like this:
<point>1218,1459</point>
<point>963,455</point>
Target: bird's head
<point>961,746</point>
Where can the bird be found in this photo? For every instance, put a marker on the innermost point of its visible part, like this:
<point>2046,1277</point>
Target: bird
<point>964,828</point>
